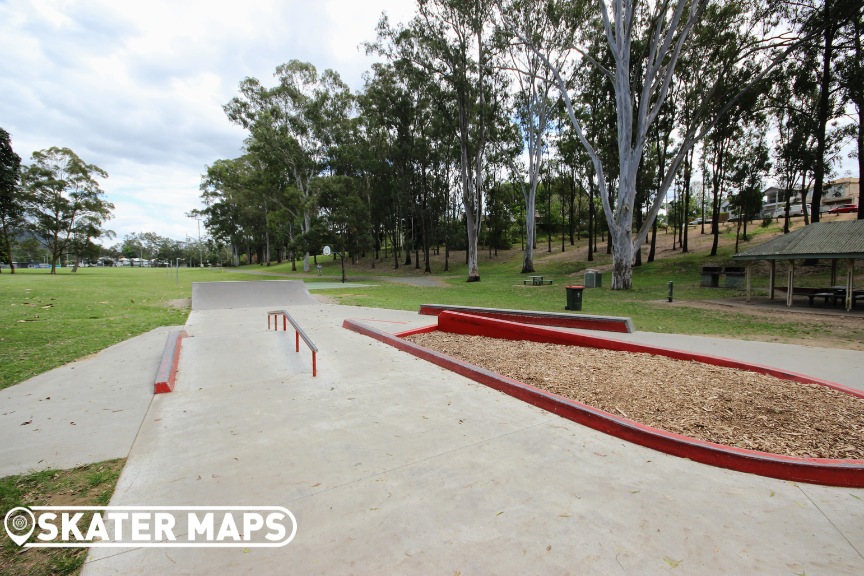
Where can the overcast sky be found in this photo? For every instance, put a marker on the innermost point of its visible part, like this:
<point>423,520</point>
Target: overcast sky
<point>137,87</point>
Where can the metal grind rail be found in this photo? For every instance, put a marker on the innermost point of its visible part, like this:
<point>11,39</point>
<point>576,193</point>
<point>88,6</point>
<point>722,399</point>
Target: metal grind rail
<point>298,333</point>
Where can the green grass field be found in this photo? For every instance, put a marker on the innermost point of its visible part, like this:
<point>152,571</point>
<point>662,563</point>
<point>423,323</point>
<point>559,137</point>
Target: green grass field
<point>47,321</point>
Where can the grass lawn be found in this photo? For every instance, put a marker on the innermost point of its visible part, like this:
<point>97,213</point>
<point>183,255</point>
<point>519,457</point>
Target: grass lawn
<point>501,286</point>
<point>90,485</point>
<point>49,320</point>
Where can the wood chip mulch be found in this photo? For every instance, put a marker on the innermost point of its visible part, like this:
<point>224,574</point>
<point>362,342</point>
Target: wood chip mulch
<point>712,403</point>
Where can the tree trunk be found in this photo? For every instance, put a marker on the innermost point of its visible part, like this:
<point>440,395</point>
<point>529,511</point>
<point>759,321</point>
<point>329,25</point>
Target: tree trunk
<point>822,114</point>
<point>688,168</point>
<point>622,258</point>
<point>307,226</point>
<point>8,248</point>
<point>653,252</point>
<point>591,224</point>
<point>530,210</point>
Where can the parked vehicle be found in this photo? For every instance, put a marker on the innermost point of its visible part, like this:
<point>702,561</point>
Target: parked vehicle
<point>794,210</point>
<point>696,222</point>
<point>844,209</point>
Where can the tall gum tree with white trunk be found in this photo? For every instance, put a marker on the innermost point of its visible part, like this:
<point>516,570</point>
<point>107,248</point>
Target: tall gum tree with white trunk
<point>664,28</point>
<point>534,106</point>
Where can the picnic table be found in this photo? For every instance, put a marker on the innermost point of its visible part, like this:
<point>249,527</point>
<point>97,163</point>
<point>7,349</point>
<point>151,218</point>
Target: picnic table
<point>537,281</point>
<point>835,294</point>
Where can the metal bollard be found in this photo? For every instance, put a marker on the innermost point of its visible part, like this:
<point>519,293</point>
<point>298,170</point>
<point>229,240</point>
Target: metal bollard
<point>670,287</point>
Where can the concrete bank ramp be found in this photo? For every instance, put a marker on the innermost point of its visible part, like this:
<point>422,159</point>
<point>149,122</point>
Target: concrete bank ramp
<point>264,293</point>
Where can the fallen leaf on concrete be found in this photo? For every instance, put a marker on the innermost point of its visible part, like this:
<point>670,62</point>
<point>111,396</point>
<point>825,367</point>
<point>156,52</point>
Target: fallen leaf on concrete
<point>30,421</point>
<point>672,563</point>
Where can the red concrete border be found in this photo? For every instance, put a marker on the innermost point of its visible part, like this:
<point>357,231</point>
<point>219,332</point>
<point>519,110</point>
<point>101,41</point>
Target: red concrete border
<point>560,320</point>
<point>166,376</point>
<point>466,324</point>
<point>848,473</point>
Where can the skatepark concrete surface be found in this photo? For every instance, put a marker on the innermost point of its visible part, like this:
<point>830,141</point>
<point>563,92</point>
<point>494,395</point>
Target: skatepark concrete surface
<point>392,465</point>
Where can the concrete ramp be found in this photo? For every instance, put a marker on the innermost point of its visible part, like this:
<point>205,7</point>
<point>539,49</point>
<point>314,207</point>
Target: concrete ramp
<point>265,293</point>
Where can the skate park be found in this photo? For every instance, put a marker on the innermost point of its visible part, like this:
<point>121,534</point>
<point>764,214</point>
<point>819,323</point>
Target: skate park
<point>392,464</point>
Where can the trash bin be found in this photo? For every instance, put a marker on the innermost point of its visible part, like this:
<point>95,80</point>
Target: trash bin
<point>593,279</point>
<point>574,297</point>
<point>736,277</point>
<point>710,277</point>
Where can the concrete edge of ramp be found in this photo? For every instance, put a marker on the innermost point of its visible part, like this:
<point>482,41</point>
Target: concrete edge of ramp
<point>558,319</point>
<point>166,375</point>
<point>250,294</point>
<point>848,473</point>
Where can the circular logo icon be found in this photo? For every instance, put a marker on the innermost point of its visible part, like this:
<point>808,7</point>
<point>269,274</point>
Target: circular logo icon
<point>19,523</point>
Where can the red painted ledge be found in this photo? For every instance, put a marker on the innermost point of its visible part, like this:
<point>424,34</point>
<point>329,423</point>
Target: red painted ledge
<point>166,376</point>
<point>848,473</point>
<point>557,319</point>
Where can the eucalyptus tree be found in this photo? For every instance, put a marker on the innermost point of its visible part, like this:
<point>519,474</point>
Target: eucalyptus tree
<point>385,107</point>
<point>665,28</point>
<point>246,204</point>
<point>64,202</point>
<point>452,41</point>
<point>820,23</point>
<point>750,166</point>
<point>344,209</point>
<point>534,105</point>
<point>851,73</point>
<point>296,123</point>
<point>11,205</point>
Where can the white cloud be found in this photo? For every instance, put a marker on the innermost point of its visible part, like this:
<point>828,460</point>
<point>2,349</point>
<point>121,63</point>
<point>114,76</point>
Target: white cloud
<point>137,87</point>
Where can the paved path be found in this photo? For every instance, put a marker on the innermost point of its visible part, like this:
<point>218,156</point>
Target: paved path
<point>86,411</point>
<point>393,465</point>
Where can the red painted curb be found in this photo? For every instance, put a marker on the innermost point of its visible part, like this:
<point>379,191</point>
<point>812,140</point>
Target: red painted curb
<point>466,324</point>
<point>582,321</point>
<point>848,473</point>
<point>166,375</point>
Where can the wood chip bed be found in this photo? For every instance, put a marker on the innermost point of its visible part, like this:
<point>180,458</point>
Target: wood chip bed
<point>712,403</point>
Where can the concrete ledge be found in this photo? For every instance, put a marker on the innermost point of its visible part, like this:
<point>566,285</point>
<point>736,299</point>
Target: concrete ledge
<point>167,373</point>
<point>561,320</point>
<point>849,473</point>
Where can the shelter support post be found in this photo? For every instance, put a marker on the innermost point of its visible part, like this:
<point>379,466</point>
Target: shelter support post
<point>850,276</point>
<point>749,285</point>
<point>790,282</point>
<point>772,270</point>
